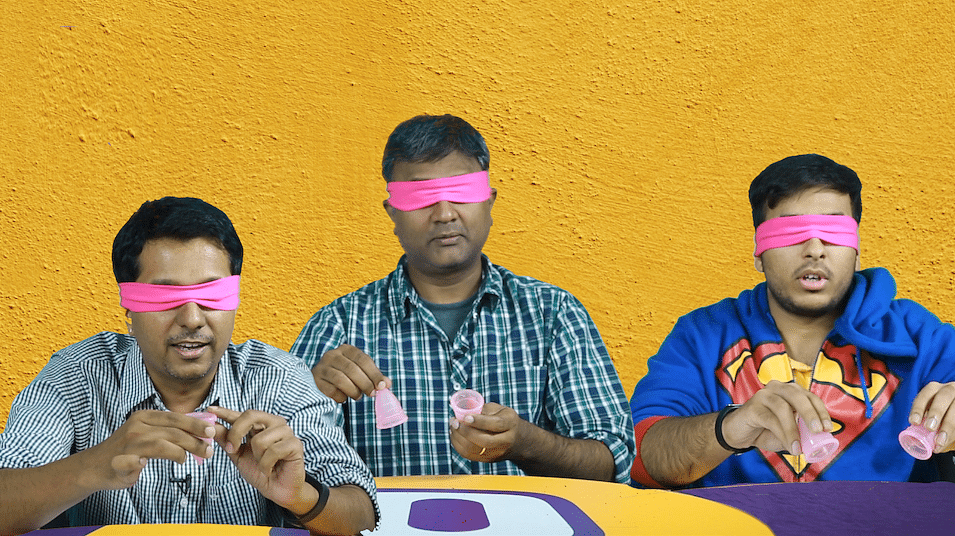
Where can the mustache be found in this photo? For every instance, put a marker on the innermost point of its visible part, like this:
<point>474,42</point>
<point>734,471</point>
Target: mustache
<point>447,231</point>
<point>814,267</point>
<point>193,336</point>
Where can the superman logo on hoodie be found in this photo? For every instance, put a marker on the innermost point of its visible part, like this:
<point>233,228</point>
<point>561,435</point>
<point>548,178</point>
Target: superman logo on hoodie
<point>855,392</point>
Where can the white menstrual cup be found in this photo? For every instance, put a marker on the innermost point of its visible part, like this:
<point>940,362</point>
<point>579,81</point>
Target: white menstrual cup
<point>388,412</point>
<point>466,402</point>
<point>815,447</point>
<point>918,441</point>
<point>209,418</point>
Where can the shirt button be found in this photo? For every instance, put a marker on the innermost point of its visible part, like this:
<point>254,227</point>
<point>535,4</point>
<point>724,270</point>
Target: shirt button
<point>184,502</point>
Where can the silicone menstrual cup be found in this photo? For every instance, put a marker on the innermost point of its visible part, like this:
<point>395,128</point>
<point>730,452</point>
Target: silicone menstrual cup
<point>918,441</point>
<point>209,418</point>
<point>388,412</point>
<point>815,447</point>
<point>466,402</point>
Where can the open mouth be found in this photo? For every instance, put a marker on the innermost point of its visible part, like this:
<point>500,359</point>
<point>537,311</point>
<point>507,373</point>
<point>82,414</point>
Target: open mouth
<point>190,349</point>
<point>813,281</point>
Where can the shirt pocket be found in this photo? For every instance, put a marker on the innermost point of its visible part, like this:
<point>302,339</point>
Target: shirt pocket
<point>522,389</point>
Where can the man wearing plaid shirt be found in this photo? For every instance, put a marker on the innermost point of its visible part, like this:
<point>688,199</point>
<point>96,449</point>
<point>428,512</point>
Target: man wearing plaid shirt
<point>448,319</point>
<point>104,432</point>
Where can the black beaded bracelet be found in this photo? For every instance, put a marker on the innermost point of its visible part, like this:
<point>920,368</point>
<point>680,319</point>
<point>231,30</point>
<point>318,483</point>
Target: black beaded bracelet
<point>730,408</point>
<point>323,493</point>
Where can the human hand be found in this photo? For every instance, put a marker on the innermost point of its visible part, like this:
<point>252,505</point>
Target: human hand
<point>934,408</point>
<point>149,434</point>
<point>768,419</point>
<point>266,451</point>
<point>491,436</point>
<point>347,372</point>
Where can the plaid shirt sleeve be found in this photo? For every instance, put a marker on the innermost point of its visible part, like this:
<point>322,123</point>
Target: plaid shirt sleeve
<point>328,456</point>
<point>587,400</point>
<point>40,427</point>
<point>323,332</point>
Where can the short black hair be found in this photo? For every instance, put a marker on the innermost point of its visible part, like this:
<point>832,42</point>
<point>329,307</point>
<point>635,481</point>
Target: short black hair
<point>794,174</point>
<point>180,218</point>
<point>426,138</point>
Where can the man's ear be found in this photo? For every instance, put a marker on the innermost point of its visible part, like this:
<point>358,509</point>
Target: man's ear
<point>390,210</point>
<point>758,262</point>
<point>129,322</point>
<point>493,197</point>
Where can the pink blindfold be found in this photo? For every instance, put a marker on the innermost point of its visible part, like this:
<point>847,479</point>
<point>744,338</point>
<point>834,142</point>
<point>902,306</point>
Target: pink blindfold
<point>221,294</point>
<point>412,195</point>
<point>791,230</point>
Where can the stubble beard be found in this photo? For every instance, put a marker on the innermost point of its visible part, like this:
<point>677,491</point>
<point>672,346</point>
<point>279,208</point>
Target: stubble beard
<point>834,306</point>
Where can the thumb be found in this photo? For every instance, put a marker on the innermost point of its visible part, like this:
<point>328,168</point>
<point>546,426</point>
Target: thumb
<point>127,468</point>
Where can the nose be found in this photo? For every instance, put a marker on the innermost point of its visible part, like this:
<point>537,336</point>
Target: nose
<point>814,248</point>
<point>443,211</point>
<point>190,316</point>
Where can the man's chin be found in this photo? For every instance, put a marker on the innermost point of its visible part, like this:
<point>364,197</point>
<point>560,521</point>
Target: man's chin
<point>814,307</point>
<point>194,370</point>
<point>449,265</point>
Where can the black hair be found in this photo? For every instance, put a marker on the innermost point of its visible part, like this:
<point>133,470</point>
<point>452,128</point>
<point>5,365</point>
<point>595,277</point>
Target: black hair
<point>426,138</point>
<point>794,174</point>
<point>180,218</point>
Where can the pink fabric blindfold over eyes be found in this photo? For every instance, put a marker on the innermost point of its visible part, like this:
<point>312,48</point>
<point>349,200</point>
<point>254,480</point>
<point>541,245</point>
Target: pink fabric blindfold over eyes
<point>791,230</point>
<point>221,294</point>
<point>412,195</point>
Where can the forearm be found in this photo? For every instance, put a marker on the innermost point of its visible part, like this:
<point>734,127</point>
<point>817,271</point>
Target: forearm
<point>31,498</point>
<point>349,510</point>
<point>543,453</point>
<point>677,451</point>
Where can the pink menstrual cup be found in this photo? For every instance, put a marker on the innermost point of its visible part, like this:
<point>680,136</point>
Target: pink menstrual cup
<point>388,412</point>
<point>815,447</point>
<point>918,441</point>
<point>466,402</point>
<point>209,418</point>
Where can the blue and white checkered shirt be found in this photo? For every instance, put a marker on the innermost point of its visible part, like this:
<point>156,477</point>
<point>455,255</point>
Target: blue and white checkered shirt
<point>89,389</point>
<point>526,345</point>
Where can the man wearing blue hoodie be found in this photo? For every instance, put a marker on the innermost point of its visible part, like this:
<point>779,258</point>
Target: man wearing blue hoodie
<point>819,340</point>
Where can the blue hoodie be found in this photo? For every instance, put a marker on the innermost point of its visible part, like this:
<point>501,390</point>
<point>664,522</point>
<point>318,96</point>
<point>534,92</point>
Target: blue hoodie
<point>880,354</point>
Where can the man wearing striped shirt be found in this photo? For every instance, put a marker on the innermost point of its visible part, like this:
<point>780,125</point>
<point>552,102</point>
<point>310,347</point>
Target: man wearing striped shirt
<point>174,423</point>
<point>448,319</point>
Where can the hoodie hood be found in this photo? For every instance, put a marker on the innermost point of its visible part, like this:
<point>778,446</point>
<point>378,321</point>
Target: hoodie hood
<point>869,322</point>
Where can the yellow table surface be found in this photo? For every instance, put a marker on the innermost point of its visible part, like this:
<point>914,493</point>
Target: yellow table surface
<point>617,509</point>
<point>165,529</point>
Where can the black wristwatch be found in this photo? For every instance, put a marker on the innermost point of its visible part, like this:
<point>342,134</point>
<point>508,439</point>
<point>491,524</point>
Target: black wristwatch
<point>730,408</point>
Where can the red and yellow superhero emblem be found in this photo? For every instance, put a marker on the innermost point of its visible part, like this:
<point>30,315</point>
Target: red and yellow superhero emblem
<point>835,379</point>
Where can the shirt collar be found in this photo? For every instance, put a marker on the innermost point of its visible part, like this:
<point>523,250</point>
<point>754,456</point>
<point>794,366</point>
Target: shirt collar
<point>227,387</point>
<point>136,385</point>
<point>403,298</point>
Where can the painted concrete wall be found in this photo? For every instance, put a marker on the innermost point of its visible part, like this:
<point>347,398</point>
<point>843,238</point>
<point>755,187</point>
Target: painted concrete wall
<point>623,138</point>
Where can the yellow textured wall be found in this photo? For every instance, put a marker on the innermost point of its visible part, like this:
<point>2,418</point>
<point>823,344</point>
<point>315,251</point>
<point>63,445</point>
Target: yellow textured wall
<point>623,138</point>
